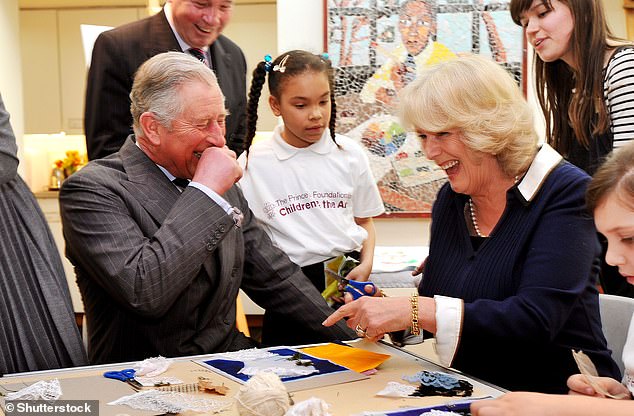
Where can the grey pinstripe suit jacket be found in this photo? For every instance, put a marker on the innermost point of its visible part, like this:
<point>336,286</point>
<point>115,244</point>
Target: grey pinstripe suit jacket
<point>159,271</point>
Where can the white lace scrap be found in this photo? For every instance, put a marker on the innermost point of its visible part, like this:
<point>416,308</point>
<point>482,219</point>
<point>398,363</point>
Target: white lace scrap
<point>245,355</point>
<point>310,407</point>
<point>158,381</point>
<point>171,402</point>
<point>394,389</point>
<point>277,364</point>
<point>439,413</point>
<point>151,367</point>
<point>42,390</point>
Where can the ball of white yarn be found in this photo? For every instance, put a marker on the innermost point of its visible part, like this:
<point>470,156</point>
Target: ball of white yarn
<point>263,394</point>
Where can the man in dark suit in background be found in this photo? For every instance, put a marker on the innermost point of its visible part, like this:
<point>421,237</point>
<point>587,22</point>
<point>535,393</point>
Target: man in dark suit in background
<point>117,53</point>
<point>159,265</point>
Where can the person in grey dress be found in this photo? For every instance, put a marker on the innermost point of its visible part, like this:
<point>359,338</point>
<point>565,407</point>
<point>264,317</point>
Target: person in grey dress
<point>37,323</point>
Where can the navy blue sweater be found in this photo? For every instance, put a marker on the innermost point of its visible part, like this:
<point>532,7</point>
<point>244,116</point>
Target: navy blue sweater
<point>529,289</point>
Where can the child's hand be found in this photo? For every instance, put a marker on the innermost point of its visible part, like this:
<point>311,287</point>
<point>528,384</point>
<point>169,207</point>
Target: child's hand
<point>361,273</point>
<point>578,384</point>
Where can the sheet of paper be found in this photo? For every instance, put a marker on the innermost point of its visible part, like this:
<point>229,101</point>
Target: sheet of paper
<point>393,259</point>
<point>328,373</point>
<point>460,407</point>
<point>355,359</point>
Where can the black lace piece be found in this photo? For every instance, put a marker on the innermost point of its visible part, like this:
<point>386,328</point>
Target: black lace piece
<point>435,383</point>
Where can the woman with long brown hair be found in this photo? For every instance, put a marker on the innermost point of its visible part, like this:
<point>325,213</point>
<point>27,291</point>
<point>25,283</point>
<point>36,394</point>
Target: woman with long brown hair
<point>584,78</point>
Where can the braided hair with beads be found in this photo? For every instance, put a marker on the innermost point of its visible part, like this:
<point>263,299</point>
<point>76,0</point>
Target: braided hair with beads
<point>285,66</point>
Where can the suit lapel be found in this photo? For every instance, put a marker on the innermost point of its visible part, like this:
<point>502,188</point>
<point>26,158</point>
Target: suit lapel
<point>161,38</point>
<point>221,61</point>
<point>146,182</point>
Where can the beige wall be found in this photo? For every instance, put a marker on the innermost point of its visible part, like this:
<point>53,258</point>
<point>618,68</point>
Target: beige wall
<point>10,69</point>
<point>254,28</point>
<point>616,17</point>
<point>402,231</point>
<point>54,64</point>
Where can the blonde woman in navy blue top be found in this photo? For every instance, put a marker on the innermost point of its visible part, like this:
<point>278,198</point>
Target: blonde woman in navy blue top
<point>610,197</point>
<point>509,285</point>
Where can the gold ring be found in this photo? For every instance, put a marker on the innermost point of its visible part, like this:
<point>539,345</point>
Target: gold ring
<point>360,331</point>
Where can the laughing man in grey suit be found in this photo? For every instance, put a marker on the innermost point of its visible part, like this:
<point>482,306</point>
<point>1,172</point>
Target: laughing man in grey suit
<point>159,266</point>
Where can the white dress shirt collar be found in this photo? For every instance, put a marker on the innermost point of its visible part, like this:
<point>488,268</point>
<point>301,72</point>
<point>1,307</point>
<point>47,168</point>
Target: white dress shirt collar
<point>544,162</point>
<point>285,151</point>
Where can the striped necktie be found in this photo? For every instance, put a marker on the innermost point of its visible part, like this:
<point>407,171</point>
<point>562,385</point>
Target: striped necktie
<point>180,182</point>
<point>198,54</point>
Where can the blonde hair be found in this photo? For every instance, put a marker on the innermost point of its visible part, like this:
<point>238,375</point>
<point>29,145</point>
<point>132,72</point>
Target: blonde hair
<point>156,86</point>
<point>482,100</point>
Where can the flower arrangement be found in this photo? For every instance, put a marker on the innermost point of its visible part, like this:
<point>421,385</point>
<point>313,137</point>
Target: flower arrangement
<point>71,163</point>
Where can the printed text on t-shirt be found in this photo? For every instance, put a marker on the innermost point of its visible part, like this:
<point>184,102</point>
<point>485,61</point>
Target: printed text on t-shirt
<point>295,203</point>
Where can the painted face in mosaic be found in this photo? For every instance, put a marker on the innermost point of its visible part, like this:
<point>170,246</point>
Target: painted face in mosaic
<point>549,30</point>
<point>416,24</point>
<point>468,172</point>
<point>304,105</point>
<point>200,22</point>
<point>615,220</point>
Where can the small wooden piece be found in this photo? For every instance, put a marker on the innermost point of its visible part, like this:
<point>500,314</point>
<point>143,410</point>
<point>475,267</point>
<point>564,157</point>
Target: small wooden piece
<point>208,385</point>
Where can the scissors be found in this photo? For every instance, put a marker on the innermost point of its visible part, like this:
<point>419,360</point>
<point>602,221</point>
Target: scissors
<point>356,289</point>
<point>126,375</point>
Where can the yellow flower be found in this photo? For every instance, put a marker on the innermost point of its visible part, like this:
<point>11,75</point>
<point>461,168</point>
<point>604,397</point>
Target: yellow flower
<point>73,162</point>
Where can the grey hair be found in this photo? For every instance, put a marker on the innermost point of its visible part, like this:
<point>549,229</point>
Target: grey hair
<point>475,95</point>
<point>156,86</point>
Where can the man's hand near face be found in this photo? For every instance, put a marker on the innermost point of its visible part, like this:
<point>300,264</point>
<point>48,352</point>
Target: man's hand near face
<point>218,169</point>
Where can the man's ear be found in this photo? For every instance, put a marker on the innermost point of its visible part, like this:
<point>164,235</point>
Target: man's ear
<point>275,106</point>
<point>150,126</point>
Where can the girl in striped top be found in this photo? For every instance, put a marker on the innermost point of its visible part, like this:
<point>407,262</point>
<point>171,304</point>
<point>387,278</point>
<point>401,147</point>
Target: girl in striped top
<point>584,77</point>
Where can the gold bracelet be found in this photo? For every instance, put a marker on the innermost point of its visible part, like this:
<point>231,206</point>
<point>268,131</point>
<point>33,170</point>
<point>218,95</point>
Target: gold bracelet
<point>382,292</point>
<point>415,328</point>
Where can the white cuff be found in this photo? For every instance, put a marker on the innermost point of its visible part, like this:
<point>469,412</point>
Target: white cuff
<point>448,327</point>
<point>214,196</point>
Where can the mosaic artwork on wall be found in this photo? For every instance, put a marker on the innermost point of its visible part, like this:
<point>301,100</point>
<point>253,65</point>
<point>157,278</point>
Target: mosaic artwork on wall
<point>377,47</point>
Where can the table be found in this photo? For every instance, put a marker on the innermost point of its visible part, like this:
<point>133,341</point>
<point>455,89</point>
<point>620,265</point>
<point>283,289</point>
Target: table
<point>343,399</point>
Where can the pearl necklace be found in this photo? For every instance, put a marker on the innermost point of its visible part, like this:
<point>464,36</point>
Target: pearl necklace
<point>474,220</point>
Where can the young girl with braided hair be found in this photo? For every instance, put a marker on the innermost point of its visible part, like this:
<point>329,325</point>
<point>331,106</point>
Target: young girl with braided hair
<point>311,189</point>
